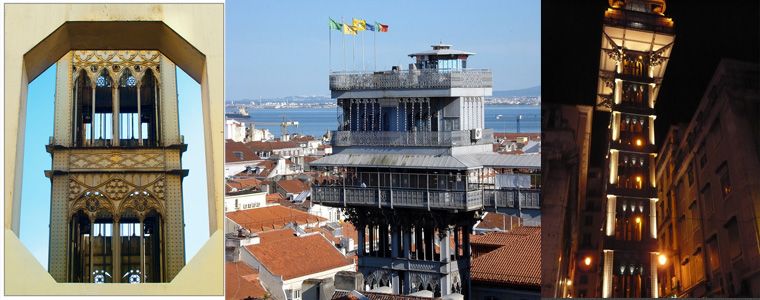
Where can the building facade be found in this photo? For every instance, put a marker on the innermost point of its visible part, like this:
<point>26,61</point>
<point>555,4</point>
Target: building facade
<point>567,139</point>
<point>710,196</point>
<point>636,42</point>
<point>116,170</point>
<point>413,167</point>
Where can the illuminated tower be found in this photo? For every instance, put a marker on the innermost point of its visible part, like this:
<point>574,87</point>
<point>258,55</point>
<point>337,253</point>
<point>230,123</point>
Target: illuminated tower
<point>116,169</point>
<point>636,42</point>
<point>414,169</point>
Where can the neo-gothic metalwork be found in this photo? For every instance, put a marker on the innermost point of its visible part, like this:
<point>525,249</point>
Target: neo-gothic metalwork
<point>116,213</point>
<point>637,40</point>
<point>414,169</point>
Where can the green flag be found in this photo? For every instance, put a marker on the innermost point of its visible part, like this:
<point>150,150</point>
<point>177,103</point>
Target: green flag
<point>335,25</point>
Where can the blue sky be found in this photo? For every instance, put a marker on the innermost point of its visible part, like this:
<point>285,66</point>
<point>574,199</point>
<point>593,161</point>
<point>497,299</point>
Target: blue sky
<point>35,195</point>
<point>281,48</point>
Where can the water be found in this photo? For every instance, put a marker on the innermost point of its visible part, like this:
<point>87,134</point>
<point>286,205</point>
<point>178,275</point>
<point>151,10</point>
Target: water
<point>317,121</point>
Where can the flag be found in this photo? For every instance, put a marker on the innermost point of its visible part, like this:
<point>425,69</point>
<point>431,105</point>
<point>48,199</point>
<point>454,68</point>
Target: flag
<point>381,27</point>
<point>335,25</point>
<point>348,29</point>
<point>360,25</point>
<point>370,27</point>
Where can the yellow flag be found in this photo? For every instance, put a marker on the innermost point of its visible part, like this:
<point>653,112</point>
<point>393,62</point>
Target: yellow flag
<point>348,29</point>
<point>360,25</point>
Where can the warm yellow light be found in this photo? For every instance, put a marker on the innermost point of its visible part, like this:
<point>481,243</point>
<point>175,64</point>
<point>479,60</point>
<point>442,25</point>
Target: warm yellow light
<point>587,261</point>
<point>662,259</point>
<point>638,142</point>
<point>638,178</point>
<point>638,220</point>
<point>569,282</point>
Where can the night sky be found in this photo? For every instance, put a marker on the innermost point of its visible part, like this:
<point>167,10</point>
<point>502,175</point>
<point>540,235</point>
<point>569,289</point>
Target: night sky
<point>705,32</point>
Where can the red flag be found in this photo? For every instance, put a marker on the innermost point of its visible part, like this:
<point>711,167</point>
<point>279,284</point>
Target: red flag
<point>383,27</point>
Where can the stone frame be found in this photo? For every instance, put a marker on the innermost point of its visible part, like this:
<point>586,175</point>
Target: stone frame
<point>191,35</point>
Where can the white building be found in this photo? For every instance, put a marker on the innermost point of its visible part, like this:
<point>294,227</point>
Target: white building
<point>235,201</point>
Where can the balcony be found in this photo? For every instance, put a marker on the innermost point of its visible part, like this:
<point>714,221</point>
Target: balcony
<point>410,138</point>
<point>638,20</point>
<point>411,79</point>
<point>512,198</point>
<point>427,199</point>
<point>403,264</point>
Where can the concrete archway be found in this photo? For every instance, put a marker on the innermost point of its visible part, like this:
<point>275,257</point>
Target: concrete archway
<point>192,36</point>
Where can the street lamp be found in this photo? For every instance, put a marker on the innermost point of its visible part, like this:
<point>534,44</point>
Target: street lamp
<point>662,259</point>
<point>587,261</point>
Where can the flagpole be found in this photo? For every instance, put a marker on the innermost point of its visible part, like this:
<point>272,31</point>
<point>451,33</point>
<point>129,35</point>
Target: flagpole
<point>374,46</point>
<point>343,42</point>
<point>353,54</point>
<point>363,68</point>
<point>329,41</point>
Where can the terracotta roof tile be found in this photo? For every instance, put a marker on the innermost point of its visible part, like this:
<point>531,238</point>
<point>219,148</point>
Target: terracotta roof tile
<point>293,186</point>
<point>240,184</point>
<point>516,263</point>
<point>242,281</point>
<point>237,152</point>
<point>346,295</point>
<point>500,221</point>
<point>271,217</point>
<point>298,256</point>
<point>274,198</point>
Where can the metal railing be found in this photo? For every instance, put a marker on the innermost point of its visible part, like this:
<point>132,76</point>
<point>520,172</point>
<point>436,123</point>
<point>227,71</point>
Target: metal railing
<point>410,138</point>
<point>510,198</point>
<point>411,79</point>
<point>421,198</point>
<point>640,20</point>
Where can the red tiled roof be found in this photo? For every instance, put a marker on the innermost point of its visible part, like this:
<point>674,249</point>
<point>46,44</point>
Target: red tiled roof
<point>242,282</point>
<point>271,217</point>
<point>274,198</point>
<point>241,183</point>
<point>293,186</point>
<point>346,295</point>
<point>276,235</point>
<point>499,221</point>
<point>518,262</point>
<point>236,152</point>
<point>303,138</point>
<point>298,256</point>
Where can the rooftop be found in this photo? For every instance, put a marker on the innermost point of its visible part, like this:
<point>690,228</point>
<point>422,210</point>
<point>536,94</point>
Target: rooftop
<point>271,217</point>
<point>352,295</point>
<point>299,256</point>
<point>516,263</point>
<point>293,186</point>
<point>242,281</point>
<point>237,152</point>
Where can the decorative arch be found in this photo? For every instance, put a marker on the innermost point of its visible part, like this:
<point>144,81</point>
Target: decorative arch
<point>91,202</point>
<point>141,202</point>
